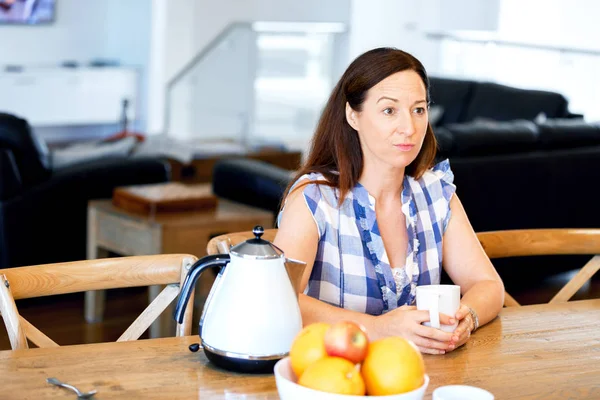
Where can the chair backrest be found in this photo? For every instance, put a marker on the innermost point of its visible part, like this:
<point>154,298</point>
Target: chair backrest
<point>497,244</point>
<point>222,243</point>
<point>542,242</point>
<point>79,276</point>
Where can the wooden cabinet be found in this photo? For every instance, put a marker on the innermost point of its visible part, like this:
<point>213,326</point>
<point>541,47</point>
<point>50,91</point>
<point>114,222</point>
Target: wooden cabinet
<point>69,96</point>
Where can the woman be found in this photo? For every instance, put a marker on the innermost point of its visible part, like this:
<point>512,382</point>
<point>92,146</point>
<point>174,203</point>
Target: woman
<point>373,217</point>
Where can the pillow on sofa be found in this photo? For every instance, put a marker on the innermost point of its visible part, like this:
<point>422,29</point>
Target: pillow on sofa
<point>90,151</point>
<point>568,133</point>
<point>435,114</point>
<point>487,137</point>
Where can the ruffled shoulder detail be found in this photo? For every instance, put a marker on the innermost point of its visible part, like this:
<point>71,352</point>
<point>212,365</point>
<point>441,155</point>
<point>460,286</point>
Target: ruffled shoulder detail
<point>444,173</point>
<point>437,187</point>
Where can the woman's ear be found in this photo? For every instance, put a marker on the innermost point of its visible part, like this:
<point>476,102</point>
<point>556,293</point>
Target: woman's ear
<point>351,117</point>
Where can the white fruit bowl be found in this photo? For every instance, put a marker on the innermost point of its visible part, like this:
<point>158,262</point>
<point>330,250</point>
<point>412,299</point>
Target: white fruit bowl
<point>289,390</point>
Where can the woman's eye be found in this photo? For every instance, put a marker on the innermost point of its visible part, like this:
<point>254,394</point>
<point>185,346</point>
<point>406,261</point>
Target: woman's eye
<point>388,111</point>
<point>419,110</point>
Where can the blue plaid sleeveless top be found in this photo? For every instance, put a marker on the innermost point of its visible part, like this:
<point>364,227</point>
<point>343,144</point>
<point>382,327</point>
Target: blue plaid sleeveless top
<point>351,268</point>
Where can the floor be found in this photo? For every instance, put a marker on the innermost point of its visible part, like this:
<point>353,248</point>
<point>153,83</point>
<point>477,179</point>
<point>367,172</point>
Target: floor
<point>61,317</point>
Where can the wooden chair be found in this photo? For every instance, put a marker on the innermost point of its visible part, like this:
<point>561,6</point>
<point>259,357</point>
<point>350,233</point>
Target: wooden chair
<point>497,244</point>
<point>78,276</point>
<point>542,242</point>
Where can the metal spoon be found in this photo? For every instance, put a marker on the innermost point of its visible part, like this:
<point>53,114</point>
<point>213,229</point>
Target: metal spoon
<point>80,394</point>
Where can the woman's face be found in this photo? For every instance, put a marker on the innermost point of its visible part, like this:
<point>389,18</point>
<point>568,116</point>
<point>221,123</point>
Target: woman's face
<point>392,123</point>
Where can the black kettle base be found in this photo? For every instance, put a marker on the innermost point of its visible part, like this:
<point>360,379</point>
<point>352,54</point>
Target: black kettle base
<point>241,365</point>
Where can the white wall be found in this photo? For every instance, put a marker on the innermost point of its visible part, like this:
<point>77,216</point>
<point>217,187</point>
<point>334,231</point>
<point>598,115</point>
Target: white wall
<point>78,34</point>
<point>127,32</point>
<point>572,23</point>
<point>223,94</point>
<point>475,15</point>
<point>383,23</point>
<point>180,33</point>
<point>82,31</point>
<point>558,23</point>
<point>159,36</point>
<point>191,24</point>
<point>401,24</point>
<point>211,17</point>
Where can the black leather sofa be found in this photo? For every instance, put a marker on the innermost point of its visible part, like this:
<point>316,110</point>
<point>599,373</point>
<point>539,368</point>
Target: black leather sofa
<point>466,101</point>
<point>43,213</point>
<point>512,174</point>
<point>509,175</point>
<point>479,123</point>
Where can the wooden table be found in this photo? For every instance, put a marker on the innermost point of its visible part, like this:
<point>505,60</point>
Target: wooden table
<point>130,234</point>
<point>532,352</point>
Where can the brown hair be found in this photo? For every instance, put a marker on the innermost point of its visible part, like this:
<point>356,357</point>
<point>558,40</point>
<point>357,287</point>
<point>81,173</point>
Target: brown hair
<point>335,149</point>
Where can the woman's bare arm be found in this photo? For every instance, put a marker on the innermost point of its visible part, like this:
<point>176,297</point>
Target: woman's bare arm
<point>297,234</point>
<point>469,267</point>
<point>298,237</point>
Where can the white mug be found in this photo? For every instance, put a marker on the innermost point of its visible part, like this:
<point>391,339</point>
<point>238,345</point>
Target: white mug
<point>461,392</point>
<point>438,299</point>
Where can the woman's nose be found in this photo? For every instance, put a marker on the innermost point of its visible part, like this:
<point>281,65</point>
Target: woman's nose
<point>406,125</point>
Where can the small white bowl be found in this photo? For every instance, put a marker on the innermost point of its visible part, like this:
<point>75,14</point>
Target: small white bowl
<point>461,392</point>
<point>289,390</point>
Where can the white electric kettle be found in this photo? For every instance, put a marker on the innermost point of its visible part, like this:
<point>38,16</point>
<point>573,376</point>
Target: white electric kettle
<point>251,315</point>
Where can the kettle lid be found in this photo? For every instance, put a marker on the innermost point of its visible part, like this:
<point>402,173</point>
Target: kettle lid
<point>257,248</point>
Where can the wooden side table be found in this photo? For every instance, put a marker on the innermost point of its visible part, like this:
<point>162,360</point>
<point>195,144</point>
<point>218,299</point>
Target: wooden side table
<point>128,234</point>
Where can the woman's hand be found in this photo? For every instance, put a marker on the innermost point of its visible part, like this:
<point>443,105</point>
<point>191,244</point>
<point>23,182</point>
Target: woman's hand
<point>406,322</point>
<point>462,333</point>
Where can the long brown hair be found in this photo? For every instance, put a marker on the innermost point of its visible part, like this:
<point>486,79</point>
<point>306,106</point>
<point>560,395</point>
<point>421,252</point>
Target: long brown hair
<point>335,147</point>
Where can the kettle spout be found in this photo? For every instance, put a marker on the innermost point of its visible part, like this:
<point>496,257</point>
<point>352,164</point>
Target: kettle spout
<point>295,270</point>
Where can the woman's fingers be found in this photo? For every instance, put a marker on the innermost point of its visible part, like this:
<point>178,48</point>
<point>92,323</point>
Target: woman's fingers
<point>425,350</point>
<point>462,312</point>
<point>433,333</point>
<point>462,333</point>
<point>428,332</point>
<point>423,316</point>
<point>465,325</point>
<point>431,340</point>
<point>405,308</point>
<point>462,340</point>
<point>430,343</point>
<point>447,319</point>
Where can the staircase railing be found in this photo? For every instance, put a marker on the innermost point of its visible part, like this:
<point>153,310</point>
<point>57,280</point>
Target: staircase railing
<point>256,81</point>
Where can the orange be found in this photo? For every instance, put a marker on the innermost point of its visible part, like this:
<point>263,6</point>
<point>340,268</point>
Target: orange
<point>308,347</point>
<point>333,375</point>
<point>393,365</point>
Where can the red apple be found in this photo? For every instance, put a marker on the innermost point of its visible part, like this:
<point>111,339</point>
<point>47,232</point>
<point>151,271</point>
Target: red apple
<point>348,340</point>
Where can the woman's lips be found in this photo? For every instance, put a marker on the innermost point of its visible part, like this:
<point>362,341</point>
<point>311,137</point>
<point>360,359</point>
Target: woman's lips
<point>404,147</point>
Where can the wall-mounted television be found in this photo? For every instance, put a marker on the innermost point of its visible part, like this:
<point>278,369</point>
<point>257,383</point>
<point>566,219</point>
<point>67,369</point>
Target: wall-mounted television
<point>27,12</point>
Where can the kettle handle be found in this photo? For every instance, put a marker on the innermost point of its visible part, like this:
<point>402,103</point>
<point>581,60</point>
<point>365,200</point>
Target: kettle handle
<point>217,260</point>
